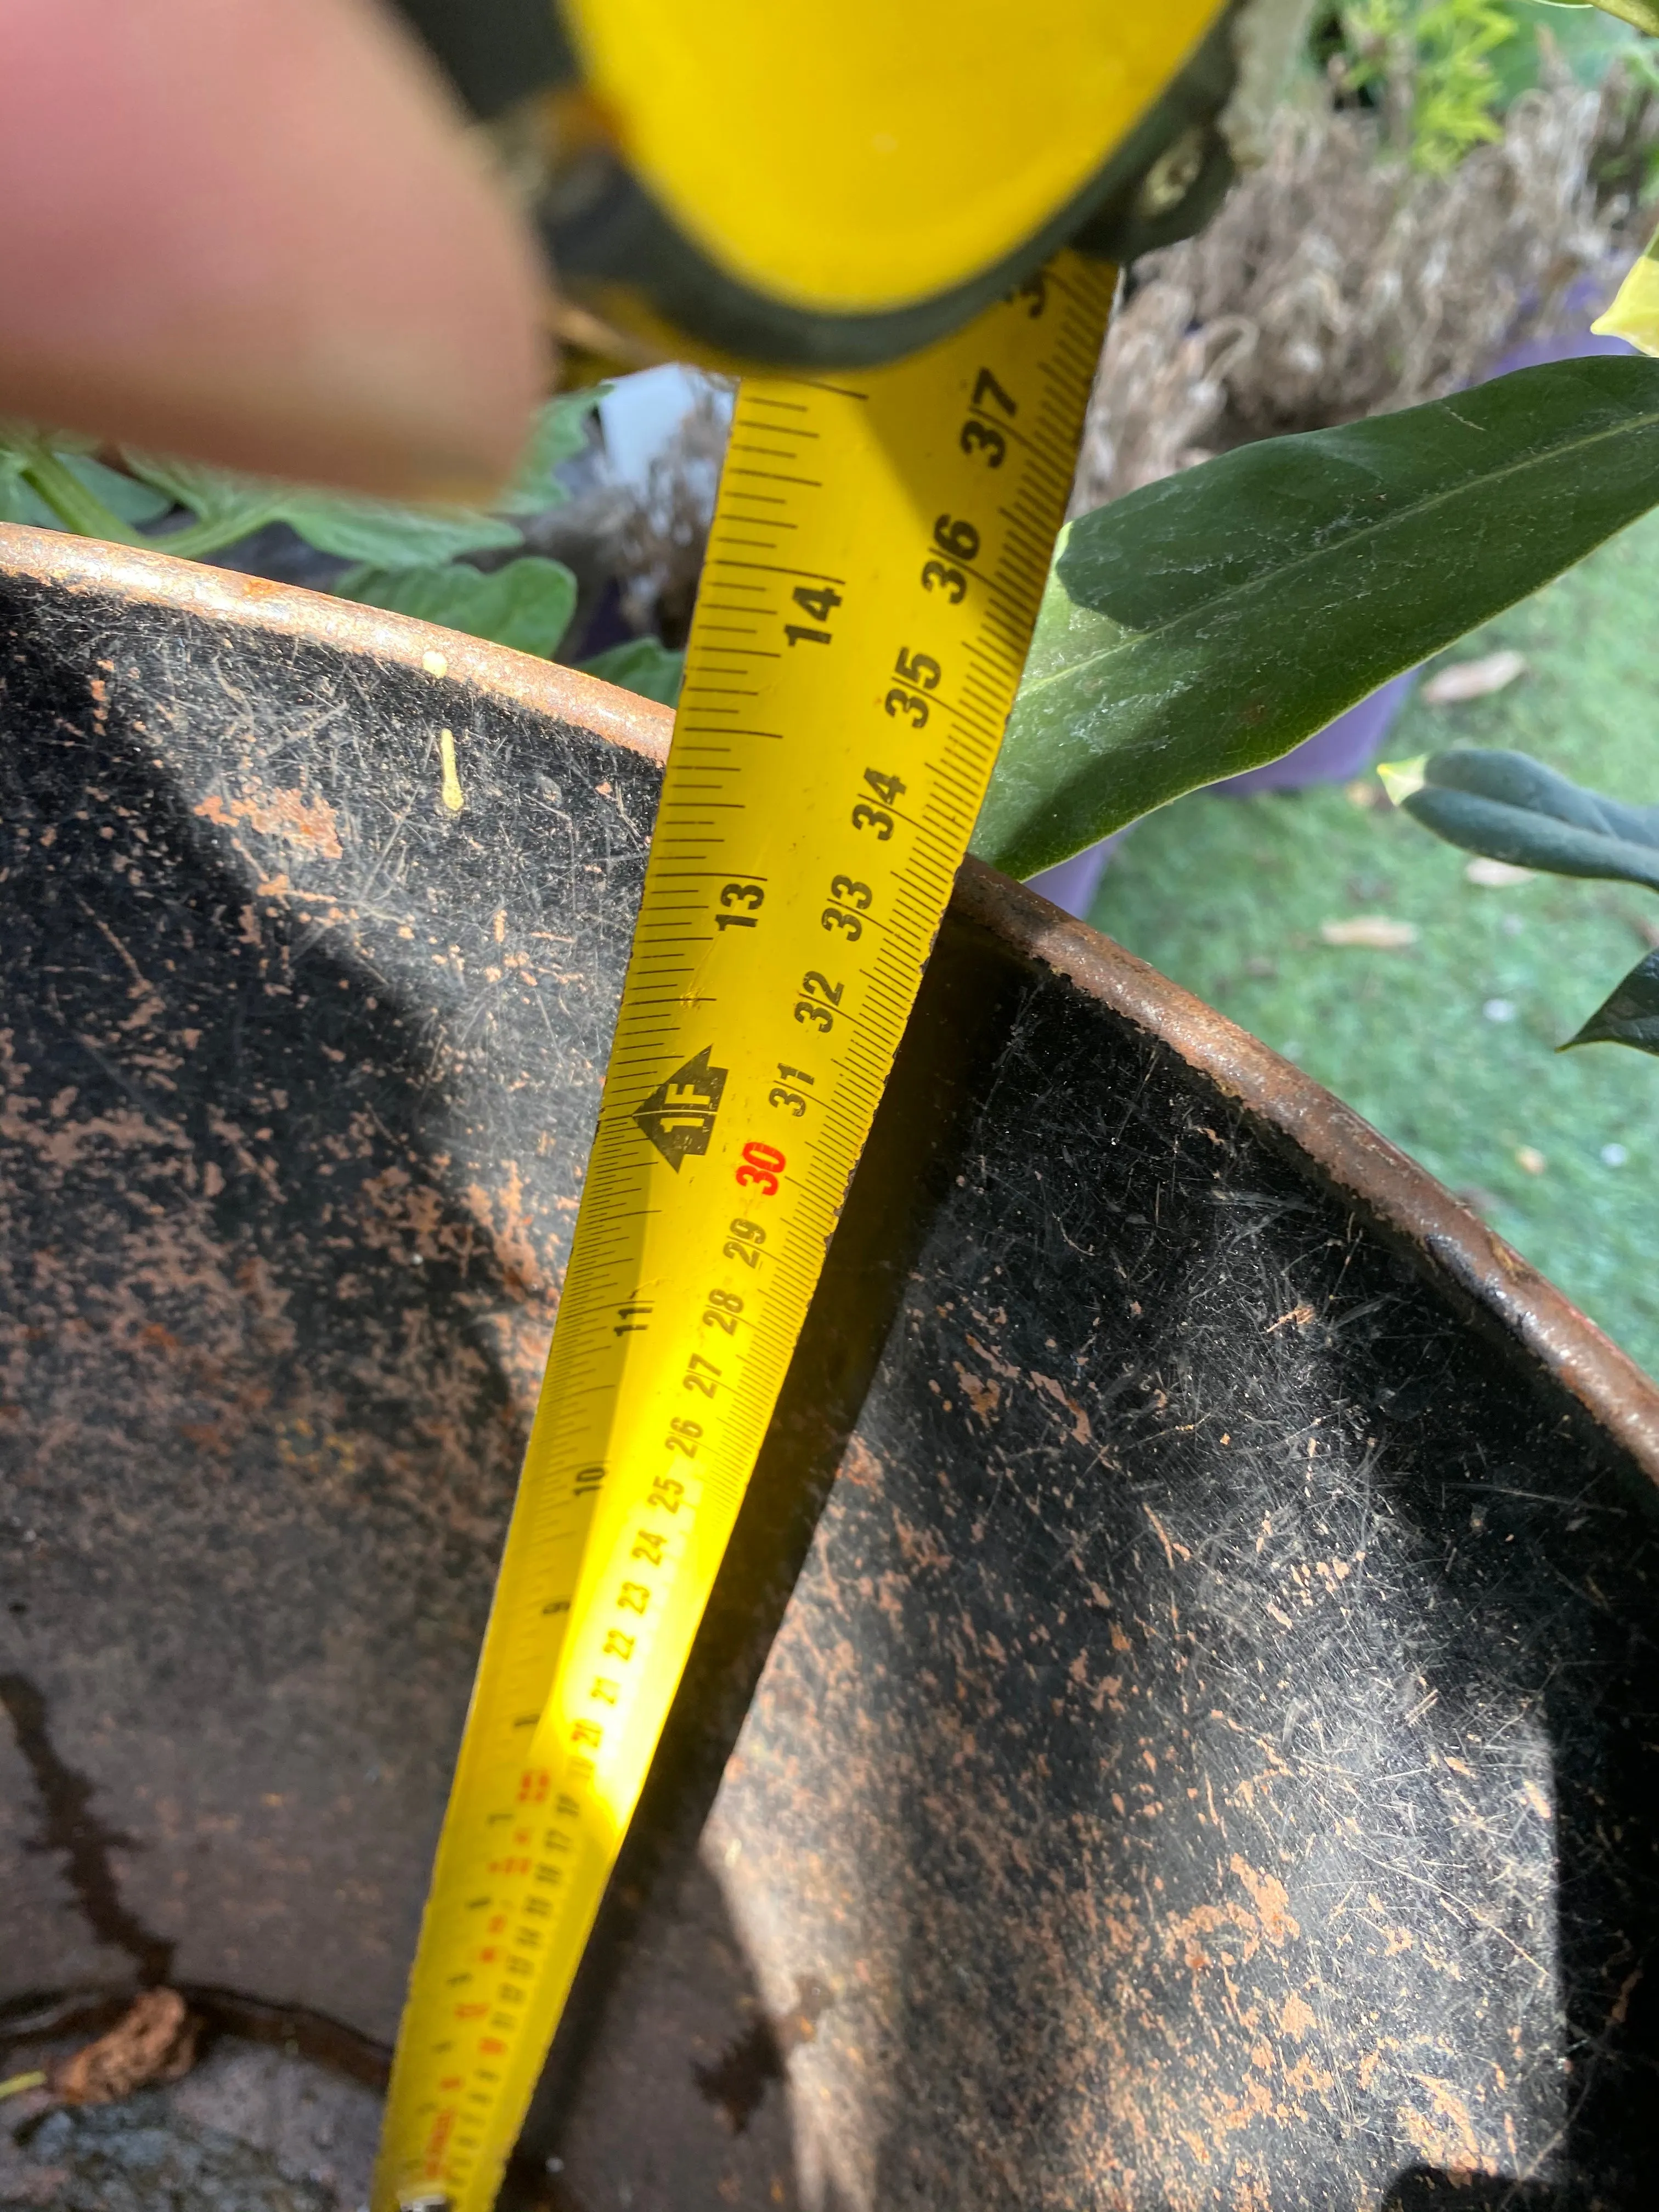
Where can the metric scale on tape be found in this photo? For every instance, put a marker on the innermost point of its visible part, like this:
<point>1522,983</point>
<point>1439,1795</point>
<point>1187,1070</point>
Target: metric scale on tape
<point>872,576</point>
<point>877,553</point>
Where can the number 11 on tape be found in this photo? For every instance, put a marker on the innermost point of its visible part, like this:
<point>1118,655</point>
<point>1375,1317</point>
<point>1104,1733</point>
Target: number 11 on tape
<point>874,567</point>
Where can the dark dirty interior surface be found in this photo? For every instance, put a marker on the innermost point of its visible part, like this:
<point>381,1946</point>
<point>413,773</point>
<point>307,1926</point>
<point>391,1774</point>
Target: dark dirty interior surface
<point>297,1070</point>
<point>1209,1759</point>
<point>1176,1726</point>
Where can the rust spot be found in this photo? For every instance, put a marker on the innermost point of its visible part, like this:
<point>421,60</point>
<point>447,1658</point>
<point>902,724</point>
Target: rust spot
<point>984,1397</point>
<point>1080,1427</point>
<point>1271,1900</point>
<point>861,1465</point>
<point>309,823</point>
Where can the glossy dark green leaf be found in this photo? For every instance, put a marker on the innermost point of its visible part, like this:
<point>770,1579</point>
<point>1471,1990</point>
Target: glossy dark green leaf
<point>1631,1015</point>
<point>1513,808</point>
<point>644,665</point>
<point>1208,624</point>
<point>527,604</point>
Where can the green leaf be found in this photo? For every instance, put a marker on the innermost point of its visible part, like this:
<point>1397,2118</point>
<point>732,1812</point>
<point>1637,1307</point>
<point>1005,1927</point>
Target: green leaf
<point>393,536</point>
<point>123,494</point>
<point>390,536</point>
<point>1631,1015</point>
<point>561,433</point>
<point>526,604</point>
<point>17,503</point>
<point>644,665</point>
<point>64,457</point>
<point>1208,623</point>
<point>229,504</point>
<point>1513,808</point>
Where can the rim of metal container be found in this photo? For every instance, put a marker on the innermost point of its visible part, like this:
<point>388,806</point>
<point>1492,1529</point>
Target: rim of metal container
<point>1403,1199</point>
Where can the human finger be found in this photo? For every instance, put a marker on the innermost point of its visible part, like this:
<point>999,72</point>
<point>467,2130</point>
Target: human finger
<point>258,236</point>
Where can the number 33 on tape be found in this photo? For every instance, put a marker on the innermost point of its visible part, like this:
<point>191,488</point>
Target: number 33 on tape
<point>874,567</point>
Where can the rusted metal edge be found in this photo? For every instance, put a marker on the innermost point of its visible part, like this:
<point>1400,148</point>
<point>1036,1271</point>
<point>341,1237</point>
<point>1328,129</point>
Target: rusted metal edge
<point>87,564</point>
<point>1398,1194</point>
<point>1358,1161</point>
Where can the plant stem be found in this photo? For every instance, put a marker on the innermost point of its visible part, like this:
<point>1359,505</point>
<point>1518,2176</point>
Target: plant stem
<point>19,2082</point>
<point>201,539</point>
<point>81,510</point>
<point>76,508</point>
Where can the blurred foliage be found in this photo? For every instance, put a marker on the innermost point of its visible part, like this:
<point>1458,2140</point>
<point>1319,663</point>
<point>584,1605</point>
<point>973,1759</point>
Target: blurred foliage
<point>644,665</point>
<point>1508,807</point>
<point>1442,73</point>
<point>1446,1045</point>
<point>411,560</point>
<point>1427,65</point>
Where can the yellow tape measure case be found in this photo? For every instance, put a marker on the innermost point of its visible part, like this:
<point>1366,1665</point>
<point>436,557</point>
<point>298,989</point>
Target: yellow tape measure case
<point>758,187</point>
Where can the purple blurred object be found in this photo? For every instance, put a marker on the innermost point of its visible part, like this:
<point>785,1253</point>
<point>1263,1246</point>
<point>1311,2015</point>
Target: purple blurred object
<point>1072,884</point>
<point>1343,748</point>
<point>1576,346</point>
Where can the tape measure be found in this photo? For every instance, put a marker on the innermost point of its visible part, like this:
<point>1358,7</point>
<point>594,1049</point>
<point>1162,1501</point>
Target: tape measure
<point>874,567</point>
<point>739,184</point>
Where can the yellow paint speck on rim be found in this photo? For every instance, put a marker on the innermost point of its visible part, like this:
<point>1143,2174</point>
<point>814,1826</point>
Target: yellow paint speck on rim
<point>435,664</point>
<point>454,797</point>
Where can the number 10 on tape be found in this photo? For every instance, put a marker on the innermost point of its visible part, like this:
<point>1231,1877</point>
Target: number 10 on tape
<point>874,567</point>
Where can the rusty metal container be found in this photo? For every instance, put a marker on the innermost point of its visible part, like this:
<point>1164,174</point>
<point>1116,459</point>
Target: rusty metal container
<point>1176,1727</point>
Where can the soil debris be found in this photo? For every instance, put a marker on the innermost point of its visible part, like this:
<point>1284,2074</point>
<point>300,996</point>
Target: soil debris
<point>250,2128</point>
<point>1474,679</point>
<point>154,2041</point>
<point>1377,932</point>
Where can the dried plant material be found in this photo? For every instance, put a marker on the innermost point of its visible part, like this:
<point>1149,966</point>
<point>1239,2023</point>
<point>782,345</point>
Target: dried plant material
<point>1334,283</point>
<point>1367,791</point>
<point>1529,1160</point>
<point>1473,679</point>
<point>1268,37</point>
<point>1496,875</point>
<point>663,540</point>
<point>1376,931</point>
<point>154,2040</point>
<point>453,796</point>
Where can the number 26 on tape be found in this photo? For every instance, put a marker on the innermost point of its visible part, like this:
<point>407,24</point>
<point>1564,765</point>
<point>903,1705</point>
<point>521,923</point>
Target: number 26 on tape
<point>761,1166</point>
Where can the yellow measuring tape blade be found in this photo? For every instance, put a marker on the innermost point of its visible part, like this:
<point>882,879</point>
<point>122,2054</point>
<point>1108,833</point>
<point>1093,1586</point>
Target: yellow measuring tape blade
<point>874,572</point>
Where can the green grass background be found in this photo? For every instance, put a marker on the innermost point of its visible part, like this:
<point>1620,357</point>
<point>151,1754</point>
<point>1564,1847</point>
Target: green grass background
<point>1226,897</point>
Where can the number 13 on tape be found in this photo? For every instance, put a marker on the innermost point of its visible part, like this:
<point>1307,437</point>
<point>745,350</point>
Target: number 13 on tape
<point>876,557</point>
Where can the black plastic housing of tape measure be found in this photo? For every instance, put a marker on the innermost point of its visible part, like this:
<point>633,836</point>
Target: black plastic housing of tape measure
<point>600,224</point>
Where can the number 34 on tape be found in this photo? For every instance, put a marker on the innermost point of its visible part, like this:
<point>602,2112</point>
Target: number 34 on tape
<point>876,557</point>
